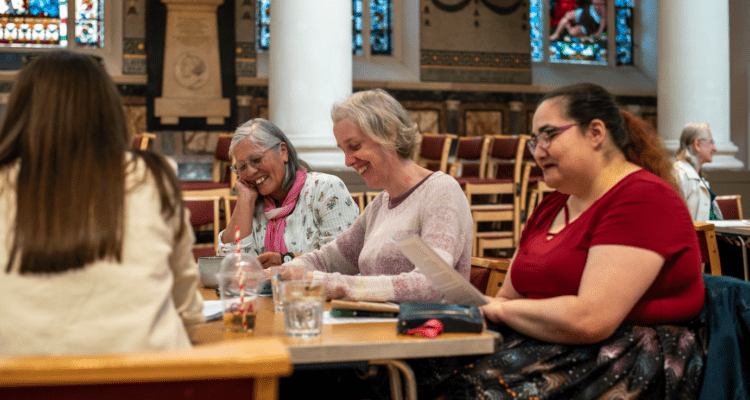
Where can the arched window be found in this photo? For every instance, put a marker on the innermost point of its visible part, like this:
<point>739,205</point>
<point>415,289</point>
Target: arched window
<point>579,31</point>
<point>372,27</point>
<point>46,23</point>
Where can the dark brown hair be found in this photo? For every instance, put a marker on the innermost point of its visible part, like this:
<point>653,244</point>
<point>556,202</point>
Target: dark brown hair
<point>634,137</point>
<point>65,125</point>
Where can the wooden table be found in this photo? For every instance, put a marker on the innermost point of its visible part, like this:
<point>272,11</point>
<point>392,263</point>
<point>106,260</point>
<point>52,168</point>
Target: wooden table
<point>377,343</point>
<point>741,231</point>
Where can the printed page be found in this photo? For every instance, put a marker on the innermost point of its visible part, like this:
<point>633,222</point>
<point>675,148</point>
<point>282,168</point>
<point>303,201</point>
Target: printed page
<point>451,284</point>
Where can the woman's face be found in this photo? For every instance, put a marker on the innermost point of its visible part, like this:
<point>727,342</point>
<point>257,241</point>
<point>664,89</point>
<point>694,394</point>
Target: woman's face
<point>704,148</point>
<point>564,157</point>
<point>268,175</point>
<point>370,159</point>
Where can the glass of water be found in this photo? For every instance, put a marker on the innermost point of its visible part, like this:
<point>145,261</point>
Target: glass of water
<point>303,304</point>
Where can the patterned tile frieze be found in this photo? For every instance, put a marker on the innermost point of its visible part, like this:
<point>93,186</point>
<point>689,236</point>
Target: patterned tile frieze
<point>475,59</point>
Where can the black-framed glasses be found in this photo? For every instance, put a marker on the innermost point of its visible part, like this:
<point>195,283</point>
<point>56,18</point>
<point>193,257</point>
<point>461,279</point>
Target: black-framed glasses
<point>545,136</point>
<point>254,160</point>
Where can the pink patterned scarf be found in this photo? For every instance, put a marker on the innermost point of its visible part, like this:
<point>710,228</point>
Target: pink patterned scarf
<point>277,216</point>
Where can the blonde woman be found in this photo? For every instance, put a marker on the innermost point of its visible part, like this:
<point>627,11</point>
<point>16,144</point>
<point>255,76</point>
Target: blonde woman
<point>696,148</point>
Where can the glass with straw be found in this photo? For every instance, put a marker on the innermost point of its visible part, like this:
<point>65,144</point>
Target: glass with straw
<point>238,286</point>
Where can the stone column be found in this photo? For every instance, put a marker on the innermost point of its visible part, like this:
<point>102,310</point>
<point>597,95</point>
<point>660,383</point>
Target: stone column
<point>310,69</point>
<point>693,86</point>
<point>453,118</point>
<point>516,117</point>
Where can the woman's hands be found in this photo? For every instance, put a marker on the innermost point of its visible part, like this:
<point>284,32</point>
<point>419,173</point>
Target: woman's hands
<point>246,191</point>
<point>493,311</point>
<point>269,259</point>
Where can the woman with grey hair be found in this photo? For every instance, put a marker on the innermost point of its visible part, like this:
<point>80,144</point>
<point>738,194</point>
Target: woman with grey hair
<point>282,209</point>
<point>363,263</point>
<point>696,148</point>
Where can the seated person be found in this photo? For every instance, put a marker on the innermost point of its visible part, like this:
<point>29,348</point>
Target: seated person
<point>696,148</point>
<point>363,263</point>
<point>282,209</point>
<point>601,298</point>
<point>97,246</point>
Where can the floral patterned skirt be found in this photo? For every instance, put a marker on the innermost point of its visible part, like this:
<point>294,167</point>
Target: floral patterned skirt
<point>636,362</point>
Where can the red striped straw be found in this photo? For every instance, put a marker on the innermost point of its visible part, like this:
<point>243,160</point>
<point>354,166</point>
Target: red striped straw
<point>242,281</point>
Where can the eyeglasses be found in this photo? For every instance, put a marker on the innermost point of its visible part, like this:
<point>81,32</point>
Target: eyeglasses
<point>254,160</point>
<point>709,141</point>
<point>544,137</point>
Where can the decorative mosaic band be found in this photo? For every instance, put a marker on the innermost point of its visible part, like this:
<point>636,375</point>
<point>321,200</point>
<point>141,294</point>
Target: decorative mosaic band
<point>475,67</point>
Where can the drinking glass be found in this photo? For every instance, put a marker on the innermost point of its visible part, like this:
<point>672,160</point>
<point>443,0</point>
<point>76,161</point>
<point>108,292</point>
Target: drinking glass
<point>303,304</point>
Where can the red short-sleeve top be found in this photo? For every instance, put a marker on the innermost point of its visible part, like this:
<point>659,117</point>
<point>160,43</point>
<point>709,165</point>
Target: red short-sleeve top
<point>642,211</point>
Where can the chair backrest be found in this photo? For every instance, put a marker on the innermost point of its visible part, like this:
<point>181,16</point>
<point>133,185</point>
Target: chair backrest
<point>359,199</point>
<point>434,149</point>
<point>487,274</point>
<point>369,196</point>
<point>709,248</point>
<point>247,368</point>
<point>204,210</point>
<point>141,141</point>
<point>730,206</point>
<point>471,157</point>
<point>221,171</point>
<point>505,157</point>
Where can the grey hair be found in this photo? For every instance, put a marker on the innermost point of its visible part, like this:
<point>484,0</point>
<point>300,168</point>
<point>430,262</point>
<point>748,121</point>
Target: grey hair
<point>382,118</point>
<point>690,133</point>
<point>265,134</point>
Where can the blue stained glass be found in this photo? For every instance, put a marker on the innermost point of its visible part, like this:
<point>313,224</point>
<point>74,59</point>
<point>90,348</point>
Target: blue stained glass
<point>624,37</point>
<point>37,23</point>
<point>381,35</point>
<point>357,27</point>
<point>537,42</point>
<point>89,23</point>
<point>573,44</point>
<point>577,52</point>
<point>263,25</point>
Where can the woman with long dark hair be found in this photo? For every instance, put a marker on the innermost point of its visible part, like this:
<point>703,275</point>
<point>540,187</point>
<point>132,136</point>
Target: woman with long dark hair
<point>96,245</point>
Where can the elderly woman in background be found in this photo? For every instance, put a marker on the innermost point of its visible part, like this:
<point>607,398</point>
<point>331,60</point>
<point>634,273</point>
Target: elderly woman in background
<point>601,298</point>
<point>96,243</point>
<point>282,209</point>
<point>696,148</point>
<point>363,263</point>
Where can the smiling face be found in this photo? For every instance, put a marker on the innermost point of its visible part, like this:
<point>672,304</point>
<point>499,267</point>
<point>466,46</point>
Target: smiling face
<point>704,148</point>
<point>269,175</point>
<point>370,159</point>
<point>564,159</point>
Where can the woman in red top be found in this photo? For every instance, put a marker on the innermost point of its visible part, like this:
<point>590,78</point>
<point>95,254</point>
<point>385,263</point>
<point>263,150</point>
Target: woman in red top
<point>601,298</point>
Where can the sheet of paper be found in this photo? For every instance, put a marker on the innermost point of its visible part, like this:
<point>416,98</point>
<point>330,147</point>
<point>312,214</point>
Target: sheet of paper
<point>731,223</point>
<point>211,307</point>
<point>451,284</point>
<point>330,320</point>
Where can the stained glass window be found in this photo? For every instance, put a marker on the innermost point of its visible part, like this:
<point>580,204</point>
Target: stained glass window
<point>537,40</point>
<point>578,35</point>
<point>43,23</point>
<point>624,39</point>
<point>89,23</point>
<point>380,14</point>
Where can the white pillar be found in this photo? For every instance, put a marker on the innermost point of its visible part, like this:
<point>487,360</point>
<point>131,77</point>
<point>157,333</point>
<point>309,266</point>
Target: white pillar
<point>310,69</point>
<point>693,82</point>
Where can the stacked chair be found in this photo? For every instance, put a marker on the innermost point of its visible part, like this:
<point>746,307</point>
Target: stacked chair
<point>533,187</point>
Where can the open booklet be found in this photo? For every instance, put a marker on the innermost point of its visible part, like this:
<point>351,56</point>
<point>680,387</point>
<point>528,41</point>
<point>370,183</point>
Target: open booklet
<point>451,284</point>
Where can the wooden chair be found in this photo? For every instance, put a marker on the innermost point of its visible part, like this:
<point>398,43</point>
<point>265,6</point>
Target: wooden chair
<point>730,206</point>
<point>488,274</point>
<point>247,369</point>
<point>503,180</point>
<point>222,179</point>
<point>434,149</point>
<point>709,248</point>
<point>205,216</point>
<point>359,199</point>
<point>471,157</point>
<point>142,140</point>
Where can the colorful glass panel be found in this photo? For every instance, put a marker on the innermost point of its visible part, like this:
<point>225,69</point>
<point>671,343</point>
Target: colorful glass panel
<point>381,30</point>
<point>357,27</point>
<point>263,25</point>
<point>624,39</point>
<point>535,21</point>
<point>578,34</point>
<point>381,35</point>
<point>34,23</point>
<point>89,23</point>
